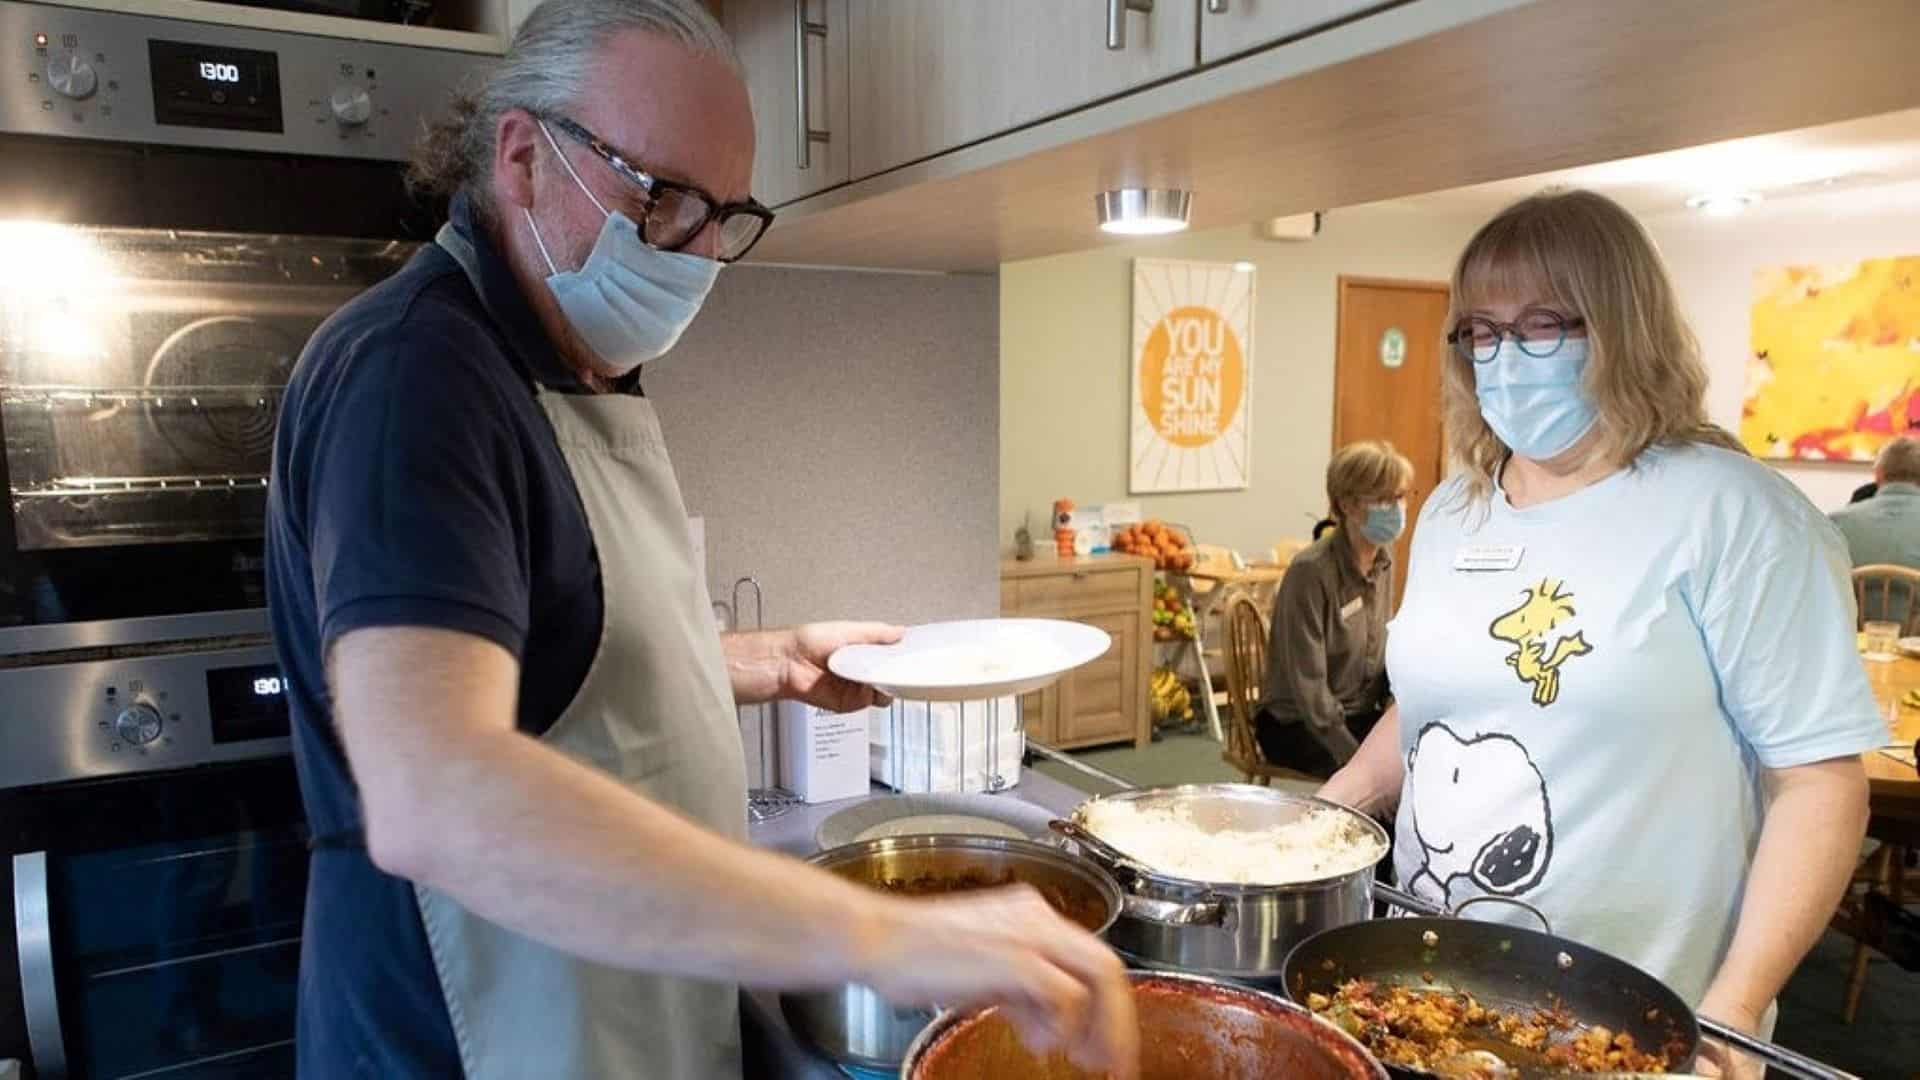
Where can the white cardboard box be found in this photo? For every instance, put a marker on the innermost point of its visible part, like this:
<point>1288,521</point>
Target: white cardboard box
<point>823,755</point>
<point>947,745</point>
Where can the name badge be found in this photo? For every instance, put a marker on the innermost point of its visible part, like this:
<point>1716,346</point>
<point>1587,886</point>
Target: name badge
<point>1488,557</point>
<point>1352,608</point>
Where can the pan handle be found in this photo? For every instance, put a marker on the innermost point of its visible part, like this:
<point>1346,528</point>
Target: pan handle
<point>1168,913</point>
<point>1545,925</point>
<point>1777,1056</point>
<point>1099,850</point>
<point>1400,898</point>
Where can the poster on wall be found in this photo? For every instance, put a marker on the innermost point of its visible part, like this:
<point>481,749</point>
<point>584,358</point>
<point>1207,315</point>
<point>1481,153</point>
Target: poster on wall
<point>1834,369</point>
<point>1192,367</point>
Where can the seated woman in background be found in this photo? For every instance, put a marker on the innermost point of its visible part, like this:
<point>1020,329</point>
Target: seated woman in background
<point>1326,655</point>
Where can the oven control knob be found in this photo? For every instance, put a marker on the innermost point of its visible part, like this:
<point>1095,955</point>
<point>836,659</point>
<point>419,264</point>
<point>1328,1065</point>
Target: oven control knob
<point>71,77</point>
<point>137,725</point>
<point>351,105</point>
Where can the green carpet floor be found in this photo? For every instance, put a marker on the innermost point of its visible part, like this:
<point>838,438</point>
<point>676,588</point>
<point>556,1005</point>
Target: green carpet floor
<point>1883,1043</point>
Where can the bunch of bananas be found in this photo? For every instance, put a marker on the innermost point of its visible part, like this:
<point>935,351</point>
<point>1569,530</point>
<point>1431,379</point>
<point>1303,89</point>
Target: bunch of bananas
<point>1170,697</point>
<point>1911,699</point>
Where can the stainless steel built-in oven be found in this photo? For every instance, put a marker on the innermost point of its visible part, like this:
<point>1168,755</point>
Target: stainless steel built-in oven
<point>181,204</point>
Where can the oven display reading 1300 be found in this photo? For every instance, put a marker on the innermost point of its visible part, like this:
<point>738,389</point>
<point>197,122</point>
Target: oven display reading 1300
<point>221,73</point>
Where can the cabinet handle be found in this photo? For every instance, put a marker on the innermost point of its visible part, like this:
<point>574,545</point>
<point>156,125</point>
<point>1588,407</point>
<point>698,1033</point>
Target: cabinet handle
<point>1216,7</point>
<point>803,86</point>
<point>1117,20</point>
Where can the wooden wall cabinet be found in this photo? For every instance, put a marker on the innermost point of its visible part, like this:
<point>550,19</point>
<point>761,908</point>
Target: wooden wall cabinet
<point>1231,27</point>
<point>1105,701</point>
<point>797,59</point>
<point>932,75</point>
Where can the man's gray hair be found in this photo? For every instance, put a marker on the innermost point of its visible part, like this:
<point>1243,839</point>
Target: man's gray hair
<point>1899,461</point>
<point>544,72</point>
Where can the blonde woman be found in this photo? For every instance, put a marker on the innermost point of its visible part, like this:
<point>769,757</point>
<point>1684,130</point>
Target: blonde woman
<point>1624,668</point>
<point>1326,654</point>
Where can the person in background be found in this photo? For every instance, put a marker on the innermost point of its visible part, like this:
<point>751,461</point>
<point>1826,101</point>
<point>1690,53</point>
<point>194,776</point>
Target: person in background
<point>1884,528</point>
<point>1626,689</point>
<point>513,717</point>
<point>1326,673</point>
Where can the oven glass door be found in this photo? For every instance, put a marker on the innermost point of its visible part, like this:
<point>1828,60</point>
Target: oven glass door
<point>141,372</point>
<point>166,911</point>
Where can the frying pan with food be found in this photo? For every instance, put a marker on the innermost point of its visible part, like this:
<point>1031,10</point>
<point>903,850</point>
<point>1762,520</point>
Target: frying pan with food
<point>1513,968</point>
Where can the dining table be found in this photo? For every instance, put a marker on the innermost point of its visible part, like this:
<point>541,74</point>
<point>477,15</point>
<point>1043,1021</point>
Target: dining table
<point>1895,784</point>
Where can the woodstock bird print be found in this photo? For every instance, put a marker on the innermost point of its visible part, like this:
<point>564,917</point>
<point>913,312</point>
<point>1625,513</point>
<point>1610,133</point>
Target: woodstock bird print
<point>1529,627</point>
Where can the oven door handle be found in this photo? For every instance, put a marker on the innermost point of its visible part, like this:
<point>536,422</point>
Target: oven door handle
<point>33,930</point>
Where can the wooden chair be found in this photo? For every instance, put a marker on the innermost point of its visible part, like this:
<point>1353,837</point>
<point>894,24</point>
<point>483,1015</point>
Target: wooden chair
<point>1884,872</point>
<point>1246,649</point>
<point>1897,589</point>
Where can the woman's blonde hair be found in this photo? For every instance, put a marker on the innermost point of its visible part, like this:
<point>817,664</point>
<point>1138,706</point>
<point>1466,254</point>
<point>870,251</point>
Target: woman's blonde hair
<point>1585,255</point>
<point>1371,469</point>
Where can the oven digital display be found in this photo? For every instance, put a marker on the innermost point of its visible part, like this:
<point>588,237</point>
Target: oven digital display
<point>215,86</point>
<point>248,703</point>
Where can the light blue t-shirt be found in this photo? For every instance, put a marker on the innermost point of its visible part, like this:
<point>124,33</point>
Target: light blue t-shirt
<point>1584,717</point>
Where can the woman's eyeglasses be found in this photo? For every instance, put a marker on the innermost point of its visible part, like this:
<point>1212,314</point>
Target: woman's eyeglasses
<point>676,213</point>
<point>1538,333</point>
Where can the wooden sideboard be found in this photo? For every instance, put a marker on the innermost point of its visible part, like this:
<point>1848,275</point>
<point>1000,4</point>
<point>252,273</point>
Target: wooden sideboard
<point>1105,701</point>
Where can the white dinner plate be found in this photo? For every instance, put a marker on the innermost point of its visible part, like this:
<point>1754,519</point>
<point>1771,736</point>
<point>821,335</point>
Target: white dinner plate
<point>913,815</point>
<point>1909,645</point>
<point>973,659</point>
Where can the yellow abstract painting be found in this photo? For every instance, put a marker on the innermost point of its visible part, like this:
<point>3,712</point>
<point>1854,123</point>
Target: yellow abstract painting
<point>1834,370</point>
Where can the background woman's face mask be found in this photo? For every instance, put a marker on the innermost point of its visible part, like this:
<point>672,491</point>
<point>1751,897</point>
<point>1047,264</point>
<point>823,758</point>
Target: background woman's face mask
<point>629,302</point>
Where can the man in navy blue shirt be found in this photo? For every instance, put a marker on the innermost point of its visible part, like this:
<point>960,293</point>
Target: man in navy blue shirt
<point>513,720</point>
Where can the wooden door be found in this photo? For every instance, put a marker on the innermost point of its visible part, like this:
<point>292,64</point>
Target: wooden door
<point>1386,381</point>
<point>1231,27</point>
<point>772,37</point>
<point>933,75</point>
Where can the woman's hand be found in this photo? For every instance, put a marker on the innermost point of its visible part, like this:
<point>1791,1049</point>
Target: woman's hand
<point>1718,1059</point>
<point>791,664</point>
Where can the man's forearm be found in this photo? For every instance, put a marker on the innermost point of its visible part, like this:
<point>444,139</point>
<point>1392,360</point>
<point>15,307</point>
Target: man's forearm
<point>530,839</point>
<point>1808,847</point>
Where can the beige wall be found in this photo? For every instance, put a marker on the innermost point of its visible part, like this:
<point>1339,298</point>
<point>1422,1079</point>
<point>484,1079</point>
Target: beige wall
<point>1713,260</point>
<point>1064,344</point>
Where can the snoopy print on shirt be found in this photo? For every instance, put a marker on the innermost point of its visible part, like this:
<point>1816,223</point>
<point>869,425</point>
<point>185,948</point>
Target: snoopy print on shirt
<point>1481,809</point>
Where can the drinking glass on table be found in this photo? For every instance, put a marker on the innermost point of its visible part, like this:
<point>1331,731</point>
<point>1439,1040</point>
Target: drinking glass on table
<point>1881,639</point>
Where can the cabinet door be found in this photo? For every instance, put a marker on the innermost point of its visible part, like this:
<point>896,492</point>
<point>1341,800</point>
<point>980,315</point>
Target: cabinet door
<point>932,75</point>
<point>1097,701</point>
<point>795,56</point>
<point>1231,27</point>
<point>1040,713</point>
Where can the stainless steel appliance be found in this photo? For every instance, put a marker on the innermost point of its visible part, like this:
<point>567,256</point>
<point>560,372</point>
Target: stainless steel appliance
<point>181,204</point>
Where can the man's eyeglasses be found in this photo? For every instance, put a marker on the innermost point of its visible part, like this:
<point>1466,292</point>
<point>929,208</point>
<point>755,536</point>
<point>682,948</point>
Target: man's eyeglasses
<point>1538,333</point>
<point>676,213</point>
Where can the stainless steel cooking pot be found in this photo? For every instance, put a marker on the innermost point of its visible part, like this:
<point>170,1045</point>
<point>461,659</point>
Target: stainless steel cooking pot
<point>852,1024</point>
<point>1220,928</point>
<point>1190,1027</point>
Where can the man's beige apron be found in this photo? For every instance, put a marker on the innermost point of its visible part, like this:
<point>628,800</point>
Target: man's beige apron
<point>655,712</point>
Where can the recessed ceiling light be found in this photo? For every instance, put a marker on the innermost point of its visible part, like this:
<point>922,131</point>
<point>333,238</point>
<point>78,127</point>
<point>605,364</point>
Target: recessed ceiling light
<point>1722,203</point>
<point>1243,266</point>
<point>1143,211</point>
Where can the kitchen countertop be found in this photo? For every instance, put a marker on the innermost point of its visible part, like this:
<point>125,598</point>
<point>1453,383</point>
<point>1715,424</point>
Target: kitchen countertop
<point>771,1048</point>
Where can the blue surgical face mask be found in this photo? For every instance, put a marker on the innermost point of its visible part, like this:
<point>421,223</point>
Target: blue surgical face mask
<point>629,302</point>
<point>1537,405</point>
<point>1384,523</point>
